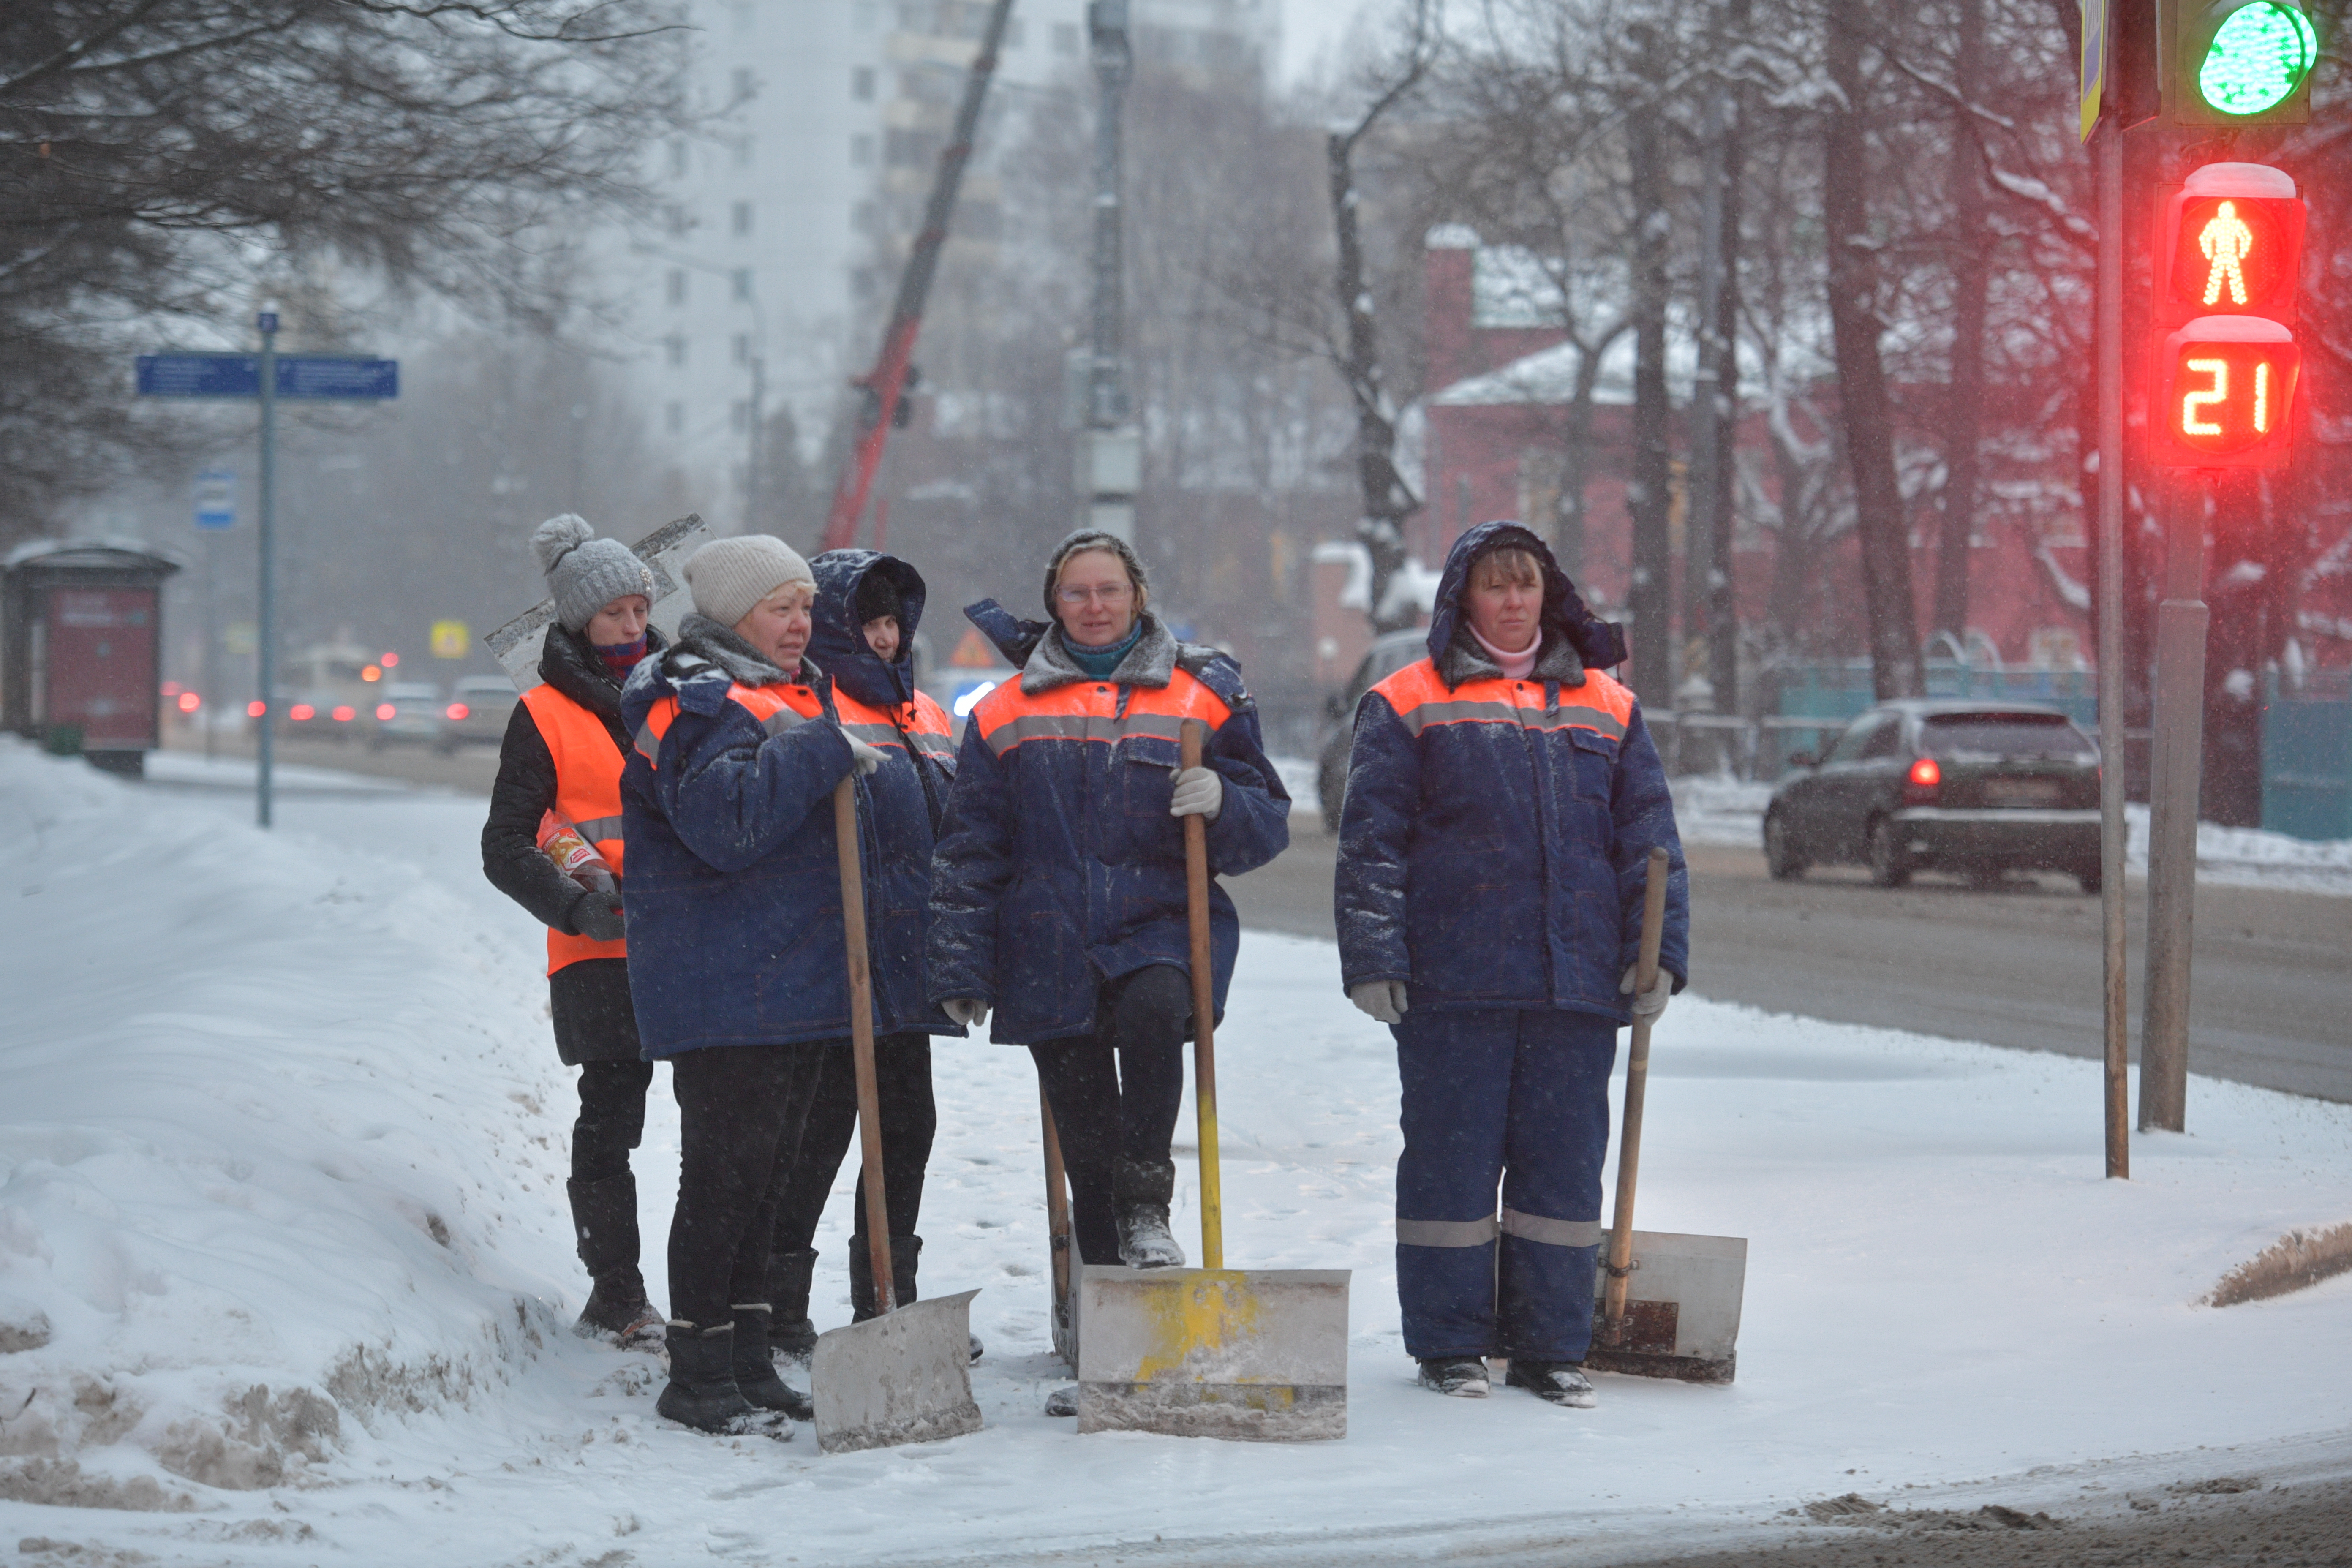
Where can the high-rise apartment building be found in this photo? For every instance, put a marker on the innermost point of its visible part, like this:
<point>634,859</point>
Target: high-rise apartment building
<point>777,237</point>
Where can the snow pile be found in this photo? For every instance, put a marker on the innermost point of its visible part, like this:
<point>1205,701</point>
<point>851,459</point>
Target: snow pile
<point>280,1202</point>
<point>1715,808</point>
<point>275,1156</point>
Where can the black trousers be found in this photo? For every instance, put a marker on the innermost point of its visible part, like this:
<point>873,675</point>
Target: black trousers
<point>612,1117</point>
<point>1116,1092</point>
<point>911,1119</point>
<point>741,1112</point>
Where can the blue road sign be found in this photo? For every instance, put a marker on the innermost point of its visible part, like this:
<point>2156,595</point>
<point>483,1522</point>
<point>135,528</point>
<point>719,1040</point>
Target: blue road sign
<point>216,499</point>
<point>313,377</point>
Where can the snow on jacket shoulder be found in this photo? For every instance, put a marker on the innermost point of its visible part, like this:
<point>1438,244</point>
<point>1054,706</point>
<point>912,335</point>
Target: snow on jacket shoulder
<point>1496,832</point>
<point>734,890</point>
<point>1059,867</point>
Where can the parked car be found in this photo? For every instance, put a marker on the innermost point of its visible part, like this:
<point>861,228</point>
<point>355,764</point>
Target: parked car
<point>478,710</point>
<point>405,711</point>
<point>1977,788</point>
<point>1390,652</point>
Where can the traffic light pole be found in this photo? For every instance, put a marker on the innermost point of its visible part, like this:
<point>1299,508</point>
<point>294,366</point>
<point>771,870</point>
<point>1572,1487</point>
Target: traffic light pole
<point>2176,765</point>
<point>2116,1014</point>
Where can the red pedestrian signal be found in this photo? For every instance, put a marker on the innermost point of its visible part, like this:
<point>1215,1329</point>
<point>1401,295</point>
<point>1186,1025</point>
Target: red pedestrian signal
<point>2226,391</point>
<point>2231,241</point>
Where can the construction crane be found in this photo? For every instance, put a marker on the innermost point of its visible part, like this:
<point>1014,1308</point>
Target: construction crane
<point>886,385</point>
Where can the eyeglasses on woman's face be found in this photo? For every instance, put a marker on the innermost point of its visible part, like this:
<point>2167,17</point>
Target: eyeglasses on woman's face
<point>1106,593</point>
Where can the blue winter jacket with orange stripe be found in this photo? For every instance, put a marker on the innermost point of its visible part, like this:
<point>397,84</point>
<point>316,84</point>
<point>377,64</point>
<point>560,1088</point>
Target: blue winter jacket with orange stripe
<point>1493,846</point>
<point>734,890</point>
<point>1059,867</point>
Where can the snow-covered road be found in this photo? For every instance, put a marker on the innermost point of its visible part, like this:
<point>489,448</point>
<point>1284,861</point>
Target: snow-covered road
<point>281,1235</point>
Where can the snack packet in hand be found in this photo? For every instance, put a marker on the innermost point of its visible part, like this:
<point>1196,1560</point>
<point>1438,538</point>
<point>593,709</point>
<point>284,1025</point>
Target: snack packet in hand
<point>577,858</point>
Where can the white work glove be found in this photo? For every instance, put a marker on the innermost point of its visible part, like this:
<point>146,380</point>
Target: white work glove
<point>861,757</point>
<point>969,1010</point>
<point>1199,792</point>
<point>1650,1002</point>
<point>1383,999</point>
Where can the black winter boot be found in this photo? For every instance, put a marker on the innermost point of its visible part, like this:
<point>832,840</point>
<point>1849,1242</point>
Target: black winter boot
<point>1141,1190</point>
<point>755,1366</point>
<point>702,1392</point>
<point>904,1252</point>
<point>604,1230</point>
<point>790,1331</point>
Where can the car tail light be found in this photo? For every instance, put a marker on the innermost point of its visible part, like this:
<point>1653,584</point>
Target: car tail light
<point>1925,779</point>
<point>302,712</point>
<point>256,709</point>
<point>190,702</point>
<point>385,710</point>
<point>344,715</point>
<point>458,711</point>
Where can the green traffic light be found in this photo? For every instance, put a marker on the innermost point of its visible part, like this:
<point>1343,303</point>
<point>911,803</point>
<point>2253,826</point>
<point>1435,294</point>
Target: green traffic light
<point>2258,57</point>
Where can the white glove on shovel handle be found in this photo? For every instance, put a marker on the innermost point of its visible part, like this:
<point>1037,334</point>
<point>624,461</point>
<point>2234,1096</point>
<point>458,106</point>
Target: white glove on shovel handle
<point>969,1010</point>
<point>1199,792</point>
<point>1650,1002</point>
<point>863,757</point>
<point>1383,999</point>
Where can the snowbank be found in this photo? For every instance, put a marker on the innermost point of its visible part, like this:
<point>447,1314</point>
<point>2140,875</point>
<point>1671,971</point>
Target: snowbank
<point>280,1199</point>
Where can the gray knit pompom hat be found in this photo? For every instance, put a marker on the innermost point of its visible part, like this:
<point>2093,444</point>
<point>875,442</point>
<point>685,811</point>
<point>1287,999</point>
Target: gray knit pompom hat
<point>585,573</point>
<point>727,576</point>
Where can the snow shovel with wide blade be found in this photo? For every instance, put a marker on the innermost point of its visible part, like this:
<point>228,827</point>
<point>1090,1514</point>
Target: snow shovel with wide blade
<point>1669,1304</point>
<point>903,1376</point>
<point>1260,1354</point>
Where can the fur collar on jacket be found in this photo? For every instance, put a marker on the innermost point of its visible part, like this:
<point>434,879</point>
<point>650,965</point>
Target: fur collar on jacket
<point>703,642</point>
<point>1466,660</point>
<point>1152,661</point>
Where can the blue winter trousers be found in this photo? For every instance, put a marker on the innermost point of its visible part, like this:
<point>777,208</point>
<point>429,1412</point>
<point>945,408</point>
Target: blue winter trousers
<point>1518,1097</point>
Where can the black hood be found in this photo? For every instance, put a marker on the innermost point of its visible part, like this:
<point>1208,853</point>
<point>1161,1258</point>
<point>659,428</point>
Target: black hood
<point>1599,643</point>
<point>837,640</point>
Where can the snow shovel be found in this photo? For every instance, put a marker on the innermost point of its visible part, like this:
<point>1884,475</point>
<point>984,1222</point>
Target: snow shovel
<point>1057,1231</point>
<point>1259,1354</point>
<point>905,1376</point>
<point>1669,1304</point>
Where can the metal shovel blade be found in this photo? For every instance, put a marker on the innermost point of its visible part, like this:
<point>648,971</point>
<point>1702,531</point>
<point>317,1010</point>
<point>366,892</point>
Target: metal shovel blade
<point>1682,1309</point>
<point>1259,1354</point>
<point>903,1377</point>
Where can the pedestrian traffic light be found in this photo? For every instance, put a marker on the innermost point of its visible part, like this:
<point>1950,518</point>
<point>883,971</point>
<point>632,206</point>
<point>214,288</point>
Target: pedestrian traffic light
<point>2237,62</point>
<point>2226,390</point>
<point>2230,242</point>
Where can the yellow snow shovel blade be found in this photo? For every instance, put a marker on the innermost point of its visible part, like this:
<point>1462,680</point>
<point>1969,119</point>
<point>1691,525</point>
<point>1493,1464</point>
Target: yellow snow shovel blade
<point>903,1376</point>
<point>1259,1354</point>
<point>1667,1305</point>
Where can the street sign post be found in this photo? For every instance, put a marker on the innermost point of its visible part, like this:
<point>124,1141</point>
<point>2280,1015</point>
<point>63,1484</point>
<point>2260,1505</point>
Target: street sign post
<point>265,377</point>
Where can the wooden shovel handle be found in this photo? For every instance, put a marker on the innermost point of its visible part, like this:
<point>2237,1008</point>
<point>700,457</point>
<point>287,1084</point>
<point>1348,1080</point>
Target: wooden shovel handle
<point>1637,1083</point>
<point>1191,741</point>
<point>861,1039</point>
<point>1057,1201</point>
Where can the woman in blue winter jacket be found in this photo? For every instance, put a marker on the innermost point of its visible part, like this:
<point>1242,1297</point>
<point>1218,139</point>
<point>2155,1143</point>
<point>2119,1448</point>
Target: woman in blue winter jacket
<point>1058,884</point>
<point>1503,798</point>
<point>736,961</point>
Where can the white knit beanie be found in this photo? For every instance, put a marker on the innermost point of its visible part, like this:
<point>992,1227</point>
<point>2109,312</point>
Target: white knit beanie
<point>584,573</point>
<point>727,576</point>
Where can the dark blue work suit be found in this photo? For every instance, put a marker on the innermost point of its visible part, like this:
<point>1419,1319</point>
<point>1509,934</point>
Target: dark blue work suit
<point>1492,855</point>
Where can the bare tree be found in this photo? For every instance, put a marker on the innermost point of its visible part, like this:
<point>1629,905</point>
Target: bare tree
<point>173,158</point>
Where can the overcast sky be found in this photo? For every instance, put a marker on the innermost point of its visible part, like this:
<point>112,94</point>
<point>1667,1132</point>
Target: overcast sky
<point>1313,29</point>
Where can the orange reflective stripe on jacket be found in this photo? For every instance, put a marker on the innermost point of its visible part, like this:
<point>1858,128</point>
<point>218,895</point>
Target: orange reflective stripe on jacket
<point>778,708</point>
<point>1088,710</point>
<point>921,725</point>
<point>587,792</point>
<point>1423,700</point>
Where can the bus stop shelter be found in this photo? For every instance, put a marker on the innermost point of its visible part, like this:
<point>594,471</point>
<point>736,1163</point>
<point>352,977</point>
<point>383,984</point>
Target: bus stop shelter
<point>80,647</point>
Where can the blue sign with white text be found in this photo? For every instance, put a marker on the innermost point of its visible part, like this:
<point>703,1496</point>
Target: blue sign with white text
<point>216,499</point>
<point>311,377</point>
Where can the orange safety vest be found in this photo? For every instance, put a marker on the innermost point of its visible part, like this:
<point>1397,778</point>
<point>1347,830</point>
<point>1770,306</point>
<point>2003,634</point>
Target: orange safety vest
<point>1090,711</point>
<point>588,791</point>
<point>778,708</point>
